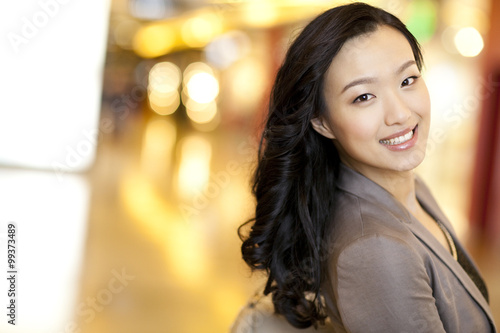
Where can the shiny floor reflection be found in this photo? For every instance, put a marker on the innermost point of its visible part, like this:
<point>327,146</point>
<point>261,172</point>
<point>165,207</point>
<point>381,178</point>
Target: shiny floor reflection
<point>165,208</point>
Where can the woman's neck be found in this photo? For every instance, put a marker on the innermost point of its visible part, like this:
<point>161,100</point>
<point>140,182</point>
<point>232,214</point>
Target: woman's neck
<point>401,184</point>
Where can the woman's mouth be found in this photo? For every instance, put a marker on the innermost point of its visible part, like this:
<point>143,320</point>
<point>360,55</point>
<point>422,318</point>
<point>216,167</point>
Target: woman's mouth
<point>402,141</point>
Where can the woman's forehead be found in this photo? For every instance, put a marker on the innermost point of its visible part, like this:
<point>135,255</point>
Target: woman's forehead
<point>376,53</point>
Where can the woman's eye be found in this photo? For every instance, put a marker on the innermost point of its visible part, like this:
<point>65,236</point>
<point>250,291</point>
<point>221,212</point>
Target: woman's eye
<point>363,98</point>
<point>408,81</point>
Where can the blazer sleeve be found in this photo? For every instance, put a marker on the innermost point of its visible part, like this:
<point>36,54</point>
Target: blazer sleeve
<point>381,285</point>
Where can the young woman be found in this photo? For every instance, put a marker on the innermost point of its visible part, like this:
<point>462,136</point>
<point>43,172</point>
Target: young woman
<point>343,227</point>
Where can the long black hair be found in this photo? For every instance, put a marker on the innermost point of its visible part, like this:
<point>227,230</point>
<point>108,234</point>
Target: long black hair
<point>294,183</point>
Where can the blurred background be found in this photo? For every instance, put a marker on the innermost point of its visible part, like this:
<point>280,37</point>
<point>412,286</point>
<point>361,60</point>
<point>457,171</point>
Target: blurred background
<point>128,134</point>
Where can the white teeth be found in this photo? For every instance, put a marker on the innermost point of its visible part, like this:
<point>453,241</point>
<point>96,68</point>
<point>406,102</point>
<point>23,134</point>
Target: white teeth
<point>398,140</point>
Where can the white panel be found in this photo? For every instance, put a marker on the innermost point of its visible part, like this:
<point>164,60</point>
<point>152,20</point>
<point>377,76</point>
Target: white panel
<point>50,218</point>
<point>51,62</point>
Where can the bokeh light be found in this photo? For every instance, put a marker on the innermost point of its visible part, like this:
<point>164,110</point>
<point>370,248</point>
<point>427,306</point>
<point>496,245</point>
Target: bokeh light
<point>444,84</point>
<point>157,147</point>
<point>247,96</point>
<point>165,77</point>
<point>164,105</point>
<point>196,67</point>
<point>260,13</point>
<point>202,87</point>
<point>164,82</point>
<point>199,30</point>
<point>194,167</point>
<point>154,40</point>
<point>469,42</point>
<point>200,83</point>
<point>201,113</point>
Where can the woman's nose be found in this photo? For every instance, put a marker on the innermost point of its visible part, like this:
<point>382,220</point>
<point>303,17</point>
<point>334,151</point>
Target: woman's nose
<point>397,111</point>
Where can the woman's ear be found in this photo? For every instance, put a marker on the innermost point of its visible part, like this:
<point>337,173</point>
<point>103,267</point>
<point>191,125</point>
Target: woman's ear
<point>322,127</point>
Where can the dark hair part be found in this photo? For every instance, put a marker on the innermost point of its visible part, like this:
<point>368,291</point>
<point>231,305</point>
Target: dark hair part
<point>294,182</point>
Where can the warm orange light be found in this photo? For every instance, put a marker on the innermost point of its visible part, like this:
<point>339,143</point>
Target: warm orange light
<point>164,81</point>
<point>194,68</point>
<point>182,245</point>
<point>202,87</point>
<point>260,13</point>
<point>154,40</point>
<point>157,147</point>
<point>201,113</point>
<point>198,31</point>
<point>194,168</point>
<point>164,104</point>
<point>164,77</point>
<point>241,93</point>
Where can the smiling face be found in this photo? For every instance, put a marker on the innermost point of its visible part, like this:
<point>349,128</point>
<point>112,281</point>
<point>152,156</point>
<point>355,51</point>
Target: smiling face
<point>378,107</point>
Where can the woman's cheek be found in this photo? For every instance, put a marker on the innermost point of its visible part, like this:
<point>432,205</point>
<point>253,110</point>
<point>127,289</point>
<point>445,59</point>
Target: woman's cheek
<point>365,125</point>
<point>421,100</point>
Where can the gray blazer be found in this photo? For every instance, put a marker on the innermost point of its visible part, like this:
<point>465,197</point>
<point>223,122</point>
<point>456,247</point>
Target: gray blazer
<point>387,273</point>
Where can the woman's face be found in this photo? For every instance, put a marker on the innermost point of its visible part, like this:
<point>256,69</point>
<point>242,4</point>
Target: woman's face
<point>378,107</point>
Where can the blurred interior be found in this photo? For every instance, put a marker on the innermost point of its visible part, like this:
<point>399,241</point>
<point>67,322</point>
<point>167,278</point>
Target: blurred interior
<point>130,223</point>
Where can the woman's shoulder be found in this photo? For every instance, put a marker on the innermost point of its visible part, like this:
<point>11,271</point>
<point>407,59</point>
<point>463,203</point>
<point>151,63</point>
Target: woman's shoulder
<point>357,222</point>
<point>355,216</point>
<point>365,234</point>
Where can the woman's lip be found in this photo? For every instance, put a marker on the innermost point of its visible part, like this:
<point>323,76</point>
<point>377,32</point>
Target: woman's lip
<point>398,134</point>
<point>405,145</point>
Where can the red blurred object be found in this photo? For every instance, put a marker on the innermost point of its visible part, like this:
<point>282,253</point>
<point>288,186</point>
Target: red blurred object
<point>485,202</point>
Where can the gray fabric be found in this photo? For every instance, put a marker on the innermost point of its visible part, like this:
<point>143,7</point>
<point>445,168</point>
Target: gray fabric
<point>387,273</point>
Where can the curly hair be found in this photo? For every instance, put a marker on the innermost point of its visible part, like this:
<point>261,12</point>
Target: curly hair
<point>294,182</point>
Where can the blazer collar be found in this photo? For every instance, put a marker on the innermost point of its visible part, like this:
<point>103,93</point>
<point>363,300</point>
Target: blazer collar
<point>361,186</point>
<point>430,205</point>
<point>355,183</point>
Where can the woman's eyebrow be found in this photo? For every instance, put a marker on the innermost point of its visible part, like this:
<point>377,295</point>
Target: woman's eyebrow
<point>363,80</point>
<point>405,66</point>
<point>368,80</point>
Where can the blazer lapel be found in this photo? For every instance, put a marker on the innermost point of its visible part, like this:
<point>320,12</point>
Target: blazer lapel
<point>361,186</point>
<point>429,204</point>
